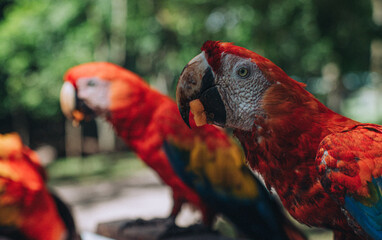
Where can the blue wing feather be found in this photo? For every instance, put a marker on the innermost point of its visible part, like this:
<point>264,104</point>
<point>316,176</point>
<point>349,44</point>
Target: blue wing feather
<point>369,217</point>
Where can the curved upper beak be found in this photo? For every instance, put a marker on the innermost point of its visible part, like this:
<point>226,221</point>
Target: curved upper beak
<point>197,92</point>
<point>68,103</point>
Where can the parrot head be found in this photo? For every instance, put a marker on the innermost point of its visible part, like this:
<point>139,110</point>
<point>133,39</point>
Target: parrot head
<point>94,89</point>
<point>225,85</point>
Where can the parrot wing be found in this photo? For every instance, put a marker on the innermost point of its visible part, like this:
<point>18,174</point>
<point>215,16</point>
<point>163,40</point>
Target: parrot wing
<point>350,169</point>
<point>224,182</point>
<point>179,159</point>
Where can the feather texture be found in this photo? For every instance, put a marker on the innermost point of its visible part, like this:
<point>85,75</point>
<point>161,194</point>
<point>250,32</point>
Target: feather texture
<point>26,207</point>
<point>225,183</point>
<point>350,167</point>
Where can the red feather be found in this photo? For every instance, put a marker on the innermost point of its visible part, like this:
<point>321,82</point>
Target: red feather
<point>25,202</point>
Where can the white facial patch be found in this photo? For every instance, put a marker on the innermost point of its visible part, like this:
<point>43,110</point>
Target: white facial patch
<point>241,95</point>
<point>95,93</point>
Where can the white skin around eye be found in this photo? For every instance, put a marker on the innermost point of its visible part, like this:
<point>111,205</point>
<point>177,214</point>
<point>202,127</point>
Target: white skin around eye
<point>241,95</point>
<point>95,93</point>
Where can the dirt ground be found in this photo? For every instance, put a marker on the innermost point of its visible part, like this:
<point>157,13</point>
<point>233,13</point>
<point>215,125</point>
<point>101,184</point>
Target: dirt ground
<point>141,195</point>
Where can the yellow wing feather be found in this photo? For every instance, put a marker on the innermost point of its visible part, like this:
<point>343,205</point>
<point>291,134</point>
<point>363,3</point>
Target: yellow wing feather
<point>225,168</point>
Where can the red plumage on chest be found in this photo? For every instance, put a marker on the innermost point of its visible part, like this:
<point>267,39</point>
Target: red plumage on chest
<point>283,148</point>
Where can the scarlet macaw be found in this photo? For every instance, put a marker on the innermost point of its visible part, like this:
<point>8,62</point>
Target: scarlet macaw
<point>326,168</point>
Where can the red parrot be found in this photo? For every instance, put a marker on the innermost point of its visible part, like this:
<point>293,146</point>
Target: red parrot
<point>137,114</point>
<point>27,209</point>
<point>192,163</point>
<point>326,168</point>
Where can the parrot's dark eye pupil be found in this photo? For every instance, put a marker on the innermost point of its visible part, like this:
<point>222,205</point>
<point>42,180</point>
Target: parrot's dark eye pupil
<point>243,72</point>
<point>91,83</point>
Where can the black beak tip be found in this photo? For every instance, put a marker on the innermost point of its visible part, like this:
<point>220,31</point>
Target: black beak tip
<point>185,113</point>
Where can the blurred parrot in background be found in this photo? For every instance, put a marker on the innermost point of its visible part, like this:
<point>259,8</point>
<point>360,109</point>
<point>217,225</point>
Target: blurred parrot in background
<point>28,211</point>
<point>326,168</point>
<point>205,161</point>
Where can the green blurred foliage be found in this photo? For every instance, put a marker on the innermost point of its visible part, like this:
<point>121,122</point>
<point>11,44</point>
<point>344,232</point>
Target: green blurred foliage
<point>97,167</point>
<point>40,40</point>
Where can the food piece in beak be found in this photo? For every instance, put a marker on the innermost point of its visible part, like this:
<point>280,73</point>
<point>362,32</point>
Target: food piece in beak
<point>197,110</point>
<point>78,116</point>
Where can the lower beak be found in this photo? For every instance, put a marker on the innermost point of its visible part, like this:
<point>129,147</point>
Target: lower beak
<point>184,109</point>
<point>68,103</point>
<point>214,106</point>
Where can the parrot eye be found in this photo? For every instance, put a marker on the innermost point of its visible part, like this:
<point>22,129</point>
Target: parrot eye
<point>91,83</point>
<point>243,72</point>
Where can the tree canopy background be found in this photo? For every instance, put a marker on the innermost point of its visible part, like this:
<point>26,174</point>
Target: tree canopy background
<point>40,40</point>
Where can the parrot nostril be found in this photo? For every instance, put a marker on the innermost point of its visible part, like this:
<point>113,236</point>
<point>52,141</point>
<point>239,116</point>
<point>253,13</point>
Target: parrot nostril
<point>191,81</point>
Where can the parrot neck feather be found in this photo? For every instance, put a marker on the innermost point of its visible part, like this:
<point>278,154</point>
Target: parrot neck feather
<point>282,147</point>
<point>135,115</point>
